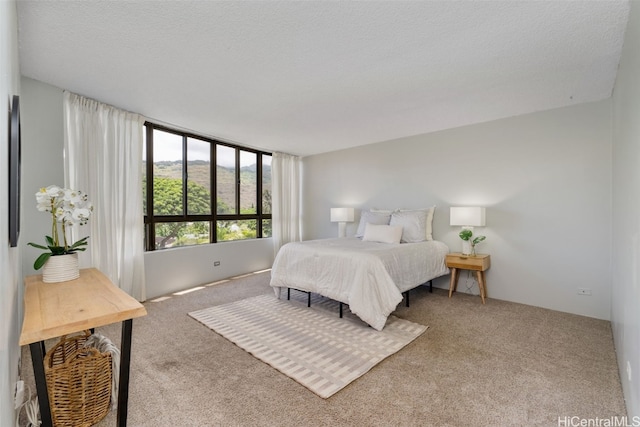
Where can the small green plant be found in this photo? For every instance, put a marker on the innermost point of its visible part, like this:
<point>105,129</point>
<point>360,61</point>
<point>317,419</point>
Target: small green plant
<point>466,235</point>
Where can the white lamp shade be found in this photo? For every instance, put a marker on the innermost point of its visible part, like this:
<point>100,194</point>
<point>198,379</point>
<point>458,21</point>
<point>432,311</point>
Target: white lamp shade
<point>467,216</point>
<point>342,214</point>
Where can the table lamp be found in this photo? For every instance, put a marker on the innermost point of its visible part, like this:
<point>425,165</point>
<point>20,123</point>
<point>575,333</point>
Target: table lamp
<point>467,218</point>
<point>342,216</point>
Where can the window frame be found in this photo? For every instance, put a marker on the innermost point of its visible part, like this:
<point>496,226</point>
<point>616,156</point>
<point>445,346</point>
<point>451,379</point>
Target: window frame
<point>151,219</point>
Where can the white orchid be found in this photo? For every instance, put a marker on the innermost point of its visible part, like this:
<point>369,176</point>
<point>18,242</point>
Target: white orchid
<point>81,215</point>
<point>67,207</point>
<point>72,196</point>
<point>52,191</point>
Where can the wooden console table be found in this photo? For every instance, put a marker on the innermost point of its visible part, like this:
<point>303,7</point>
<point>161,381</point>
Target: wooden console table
<point>55,309</point>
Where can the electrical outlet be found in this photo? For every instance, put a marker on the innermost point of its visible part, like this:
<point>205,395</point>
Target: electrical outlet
<point>584,291</point>
<point>216,263</point>
<point>19,400</point>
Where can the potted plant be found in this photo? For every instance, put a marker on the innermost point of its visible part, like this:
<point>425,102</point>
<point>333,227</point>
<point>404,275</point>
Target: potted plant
<point>469,247</point>
<point>67,207</point>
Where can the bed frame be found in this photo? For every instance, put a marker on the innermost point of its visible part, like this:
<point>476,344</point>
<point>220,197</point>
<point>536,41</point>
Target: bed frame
<point>406,295</point>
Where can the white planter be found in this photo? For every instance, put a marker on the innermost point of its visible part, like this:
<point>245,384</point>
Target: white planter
<point>60,268</point>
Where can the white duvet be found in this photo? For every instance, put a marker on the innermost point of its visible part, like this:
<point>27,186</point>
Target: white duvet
<point>369,276</point>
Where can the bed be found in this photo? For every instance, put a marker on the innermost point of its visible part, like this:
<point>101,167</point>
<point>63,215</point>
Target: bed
<point>370,276</point>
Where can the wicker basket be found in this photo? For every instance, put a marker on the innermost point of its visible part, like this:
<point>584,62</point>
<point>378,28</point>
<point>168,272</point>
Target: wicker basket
<point>78,382</point>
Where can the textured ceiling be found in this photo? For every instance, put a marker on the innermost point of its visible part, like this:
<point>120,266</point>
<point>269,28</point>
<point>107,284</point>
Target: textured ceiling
<point>307,77</point>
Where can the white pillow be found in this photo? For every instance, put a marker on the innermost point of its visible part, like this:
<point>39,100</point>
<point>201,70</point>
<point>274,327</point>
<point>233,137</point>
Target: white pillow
<point>367,217</point>
<point>382,233</point>
<point>376,210</point>
<point>413,223</point>
<point>429,226</point>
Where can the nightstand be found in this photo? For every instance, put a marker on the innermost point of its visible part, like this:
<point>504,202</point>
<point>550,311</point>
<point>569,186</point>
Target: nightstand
<point>476,263</point>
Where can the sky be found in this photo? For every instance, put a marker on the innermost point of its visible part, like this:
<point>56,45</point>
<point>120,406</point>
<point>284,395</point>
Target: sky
<point>168,147</point>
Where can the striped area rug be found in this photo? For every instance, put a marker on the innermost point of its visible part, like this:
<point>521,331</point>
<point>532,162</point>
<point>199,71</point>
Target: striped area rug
<point>313,346</point>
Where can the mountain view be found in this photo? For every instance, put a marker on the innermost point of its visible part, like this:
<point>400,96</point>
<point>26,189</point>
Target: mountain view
<point>199,171</point>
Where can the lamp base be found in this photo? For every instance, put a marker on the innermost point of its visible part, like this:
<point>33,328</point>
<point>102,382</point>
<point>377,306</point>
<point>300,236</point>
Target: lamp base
<point>342,229</point>
<point>466,247</point>
<point>466,244</point>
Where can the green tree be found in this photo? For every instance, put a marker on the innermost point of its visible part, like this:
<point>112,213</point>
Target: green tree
<point>167,194</point>
<point>266,202</point>
<point>266,228</point>
<point>266,209</point>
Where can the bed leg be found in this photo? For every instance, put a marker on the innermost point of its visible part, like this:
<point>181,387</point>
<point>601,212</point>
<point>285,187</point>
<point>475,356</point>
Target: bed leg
<point>288,293</point>
<point>341,310</point>
<point>431,286</point>
<point>308,299</point>
<point>406,301</point>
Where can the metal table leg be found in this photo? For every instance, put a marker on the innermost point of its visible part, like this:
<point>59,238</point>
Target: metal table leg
<point>37,359</point>
<point>125,362</point>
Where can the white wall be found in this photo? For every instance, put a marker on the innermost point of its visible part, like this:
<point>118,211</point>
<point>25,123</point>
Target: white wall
<point>625,306</point>
<point>10,277</point>
<point>42,148</point>
<point>172,270</point>
<point>166,271</point>
<point>545,179</point>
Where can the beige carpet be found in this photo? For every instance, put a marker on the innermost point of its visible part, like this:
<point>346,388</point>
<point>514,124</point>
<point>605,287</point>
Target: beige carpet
<point>312,345</point>
<point>498,364</point>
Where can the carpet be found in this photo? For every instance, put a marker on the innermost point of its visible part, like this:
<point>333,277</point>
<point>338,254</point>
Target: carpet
<point>311,345</point>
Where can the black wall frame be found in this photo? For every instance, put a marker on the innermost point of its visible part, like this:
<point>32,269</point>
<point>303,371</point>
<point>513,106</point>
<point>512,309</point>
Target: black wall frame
<point>14,172</point>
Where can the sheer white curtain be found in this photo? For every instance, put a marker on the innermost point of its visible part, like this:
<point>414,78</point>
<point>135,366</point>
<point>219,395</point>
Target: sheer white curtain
<point>285,179</point>
<point>103,158</point>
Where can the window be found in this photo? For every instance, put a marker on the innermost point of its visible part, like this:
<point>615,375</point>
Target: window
<point>186,175</point>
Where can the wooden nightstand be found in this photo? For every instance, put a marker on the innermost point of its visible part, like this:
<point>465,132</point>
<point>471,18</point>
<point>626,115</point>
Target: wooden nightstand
<point>477,263</point>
